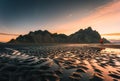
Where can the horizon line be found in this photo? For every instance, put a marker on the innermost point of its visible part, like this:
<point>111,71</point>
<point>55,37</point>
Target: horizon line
<point>107,34</point>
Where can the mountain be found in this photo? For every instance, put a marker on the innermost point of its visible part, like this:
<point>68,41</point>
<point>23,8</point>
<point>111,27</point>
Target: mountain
<point>82,36</point>
<point>88,36</point>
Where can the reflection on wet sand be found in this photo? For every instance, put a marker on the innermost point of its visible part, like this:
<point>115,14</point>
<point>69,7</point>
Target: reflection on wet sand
<point>60,63</point>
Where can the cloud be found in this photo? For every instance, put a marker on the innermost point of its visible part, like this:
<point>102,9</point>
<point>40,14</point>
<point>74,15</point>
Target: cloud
<point>111,34</point>
<point>9,34</point>
<point>103,11</point>
<point>104,19</point>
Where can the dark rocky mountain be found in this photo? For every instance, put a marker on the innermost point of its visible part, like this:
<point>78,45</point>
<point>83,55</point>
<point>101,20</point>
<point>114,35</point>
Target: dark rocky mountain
<point>82,36</point>
<point>85,36</point>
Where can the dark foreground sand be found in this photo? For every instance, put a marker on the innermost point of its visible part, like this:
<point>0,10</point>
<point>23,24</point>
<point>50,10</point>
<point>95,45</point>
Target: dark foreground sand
<point>60,63</point>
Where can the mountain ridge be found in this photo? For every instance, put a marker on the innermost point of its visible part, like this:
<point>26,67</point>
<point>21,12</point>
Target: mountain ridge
<point>87,35</point>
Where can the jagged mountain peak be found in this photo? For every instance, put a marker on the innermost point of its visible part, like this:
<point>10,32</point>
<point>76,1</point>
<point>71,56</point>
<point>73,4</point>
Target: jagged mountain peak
<point>87,35</point>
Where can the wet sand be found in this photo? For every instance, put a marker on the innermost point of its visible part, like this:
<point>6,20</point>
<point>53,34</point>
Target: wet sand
<point>111,46</point>
<point>60,63</point>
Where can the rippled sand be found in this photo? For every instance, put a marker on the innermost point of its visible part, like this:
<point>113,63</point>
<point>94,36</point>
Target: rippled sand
<point>59,63</point>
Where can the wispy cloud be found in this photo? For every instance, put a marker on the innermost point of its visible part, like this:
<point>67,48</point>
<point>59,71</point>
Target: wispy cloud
<point>104,19</point>
<point>9,34</point>
<point>103,13</point>
<point>111,34</point>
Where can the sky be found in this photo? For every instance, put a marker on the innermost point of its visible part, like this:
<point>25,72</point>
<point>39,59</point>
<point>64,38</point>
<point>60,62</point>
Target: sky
<point>61,16</point>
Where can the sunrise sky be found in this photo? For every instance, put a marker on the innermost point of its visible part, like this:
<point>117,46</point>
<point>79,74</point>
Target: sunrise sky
<point>61,16</point>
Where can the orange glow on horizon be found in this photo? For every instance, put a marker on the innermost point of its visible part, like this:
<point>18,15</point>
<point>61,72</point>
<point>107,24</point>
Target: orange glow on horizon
<point>6,38</point>
<point>116,36</point>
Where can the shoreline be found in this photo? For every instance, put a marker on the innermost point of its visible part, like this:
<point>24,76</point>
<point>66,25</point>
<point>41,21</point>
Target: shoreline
<point>106,45</point>
<point>110,46</point>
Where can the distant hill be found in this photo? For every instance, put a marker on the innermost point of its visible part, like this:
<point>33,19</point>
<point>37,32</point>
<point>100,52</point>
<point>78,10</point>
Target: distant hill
<point>82,36</point>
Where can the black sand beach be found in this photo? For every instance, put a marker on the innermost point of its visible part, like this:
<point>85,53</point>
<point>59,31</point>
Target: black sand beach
<point>69,62</point>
